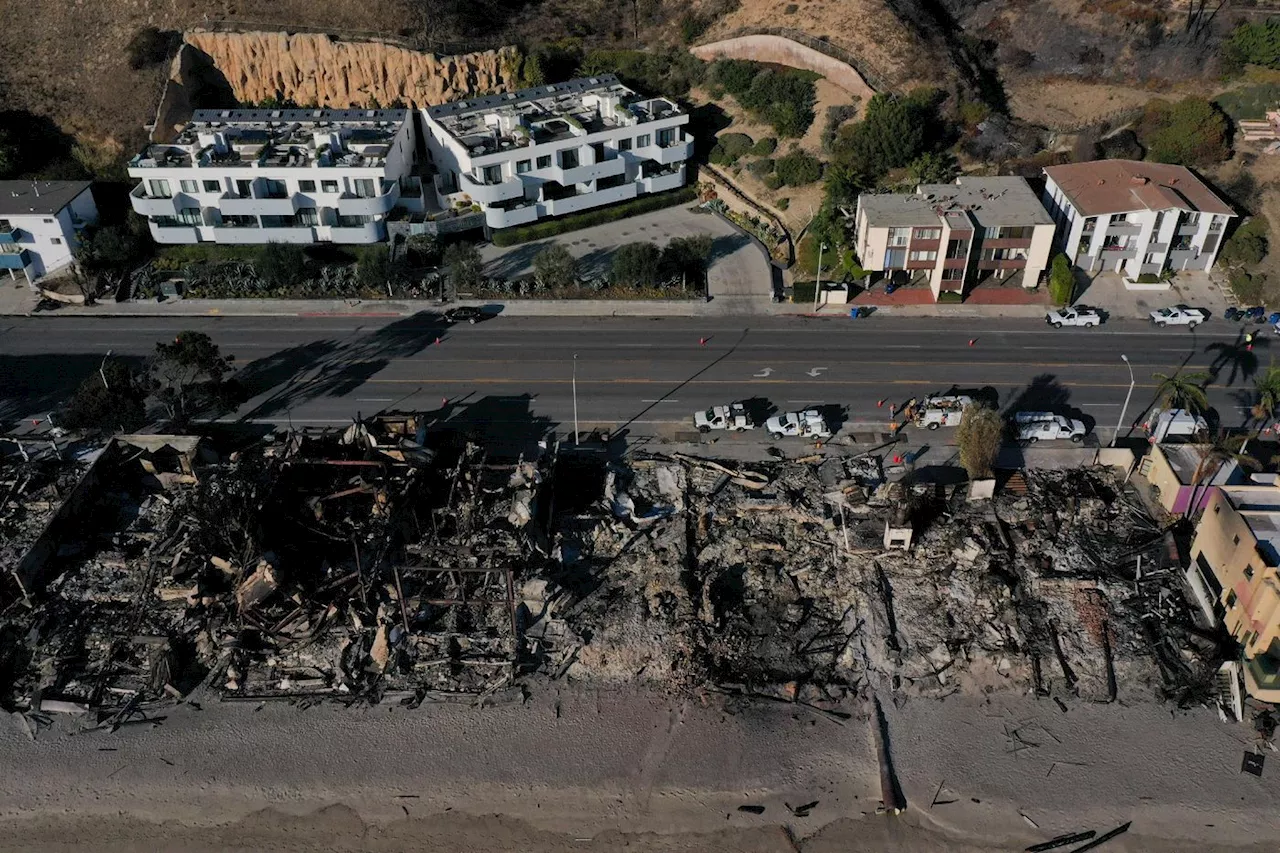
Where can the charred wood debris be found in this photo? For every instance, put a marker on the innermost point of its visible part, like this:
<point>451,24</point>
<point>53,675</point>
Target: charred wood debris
<point>369,564</point>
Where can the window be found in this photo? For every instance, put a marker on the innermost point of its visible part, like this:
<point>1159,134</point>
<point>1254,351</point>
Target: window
<point>1231,599</point>
<point>244,189</point>
<point>924,256</point>
<point>213,186</point>
<point>189,186</point>
<point>491,175</point>
<point>928,233</point>
<point>48,221</point>
<point>189,216</point>
<point>1248,573</point>
<point>569,158</point>
<point>1192,219</point>
<point>991,233</point>
<point>1235,540</point>
<point>899,236</point>
<point>544,162</point>
<point>329,186</point>
<point>158,189</point>
<point>274,188</point>
<point>364,188</point>
<point>522,166</point>
<point>952,275</point>
<point>1119,218</point>
<point>624,144</point>
<point>57,241</point>
<point>1217,509</point>
<point>307,216</point>
<point>957,249</point>
<point>1015,232</point>
<point>642,140</point>
<point>306,186</point>
<point>667,137</point>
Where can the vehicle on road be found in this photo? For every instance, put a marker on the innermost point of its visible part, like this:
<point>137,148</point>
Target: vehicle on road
<point>1174,423</point>
<point>1179,315</point>
<point>467,314</point>
<point>941,410</point>
<point>1077,315</point>
<point>1256,314</point>
<point>733,417</point>
<point>807,424</point>
<point>1046,426</point>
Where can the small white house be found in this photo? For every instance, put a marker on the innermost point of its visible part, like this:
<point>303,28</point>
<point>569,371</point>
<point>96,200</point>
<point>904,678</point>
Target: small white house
<point>557,149</point>
<point>40,225</point>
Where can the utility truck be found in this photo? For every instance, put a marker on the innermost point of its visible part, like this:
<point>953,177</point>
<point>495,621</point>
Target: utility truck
<point>807,424</point>
<point>1046,426</point>
<point>733,417</point>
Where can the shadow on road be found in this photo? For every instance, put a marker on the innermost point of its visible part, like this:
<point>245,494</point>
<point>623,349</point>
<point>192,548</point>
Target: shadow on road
<point>703,370</point>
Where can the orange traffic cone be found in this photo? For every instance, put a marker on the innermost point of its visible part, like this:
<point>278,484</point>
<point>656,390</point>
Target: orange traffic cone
<point>972,341</point>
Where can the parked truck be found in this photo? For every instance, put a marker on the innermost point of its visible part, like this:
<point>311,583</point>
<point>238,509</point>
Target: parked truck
<point>1046,426</point>
<point>807,424</point>
<point>1179,315</point>
<point>733,417</point>
<point>1174,423</point>
<point>942,410</point>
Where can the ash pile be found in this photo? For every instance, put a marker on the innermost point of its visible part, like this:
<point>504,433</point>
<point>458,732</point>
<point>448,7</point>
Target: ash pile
<point>352,564</point>
<point>814,579</point>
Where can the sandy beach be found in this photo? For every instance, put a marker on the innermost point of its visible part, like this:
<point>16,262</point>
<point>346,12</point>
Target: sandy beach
<point>574,769</point>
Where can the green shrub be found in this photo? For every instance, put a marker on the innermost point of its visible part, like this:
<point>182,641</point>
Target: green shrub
<point>783,98</point>
<point>773,182</point>
<point>1191,132</point>
<point>802,292</point>
<point>1247,245</point>
<point>1148,278</point>
<point>782,203</point>
<point>760,168</point>
<point>735,144</point>
<point>637,265</point>
<point>950,297</point>
<point>281,264</point>
<point>894,131</point>
<point>798,168</point>
<point>668,72</point>
<point>1256,43</point>
<point>765,147</point>
<point>1062,280</point>
<point>692,26</point>
<point>1249,288</point>
<point>735,75</point>
<point>588,218</point>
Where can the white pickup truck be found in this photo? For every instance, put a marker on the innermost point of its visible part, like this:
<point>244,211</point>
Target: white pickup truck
<point>806,424</point>
<point>941,410</point>
<point>1078,315</point>
<point>733,417</point>
<point>1179,315</point>
<point>1046,426</point>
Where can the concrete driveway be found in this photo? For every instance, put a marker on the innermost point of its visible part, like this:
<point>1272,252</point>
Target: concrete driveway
<point>739,278</point>
<point>1195,288</point>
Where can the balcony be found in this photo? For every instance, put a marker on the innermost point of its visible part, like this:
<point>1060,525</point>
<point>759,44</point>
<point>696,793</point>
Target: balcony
<point>589,172</point>
<point>173,234</point>
<point>15,260</point>
<point>370,232</point>
<point>234,205</point>
<point>667,154</point>
<point>350,205</point>
<point>662,183</point>
<point>561,206</point>
<point>492,193</point>
<point>147,205</point>
<point>240,234</point>
<point>1262,676</point>
<point>498,217</point>
<point>10,236</point>
<point>287,234</point>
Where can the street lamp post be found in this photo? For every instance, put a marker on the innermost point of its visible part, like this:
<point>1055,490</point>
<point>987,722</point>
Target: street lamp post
<point>817,287</point>
<point>102,370</point>
<point>1125,409</point>
<point>575,399</point>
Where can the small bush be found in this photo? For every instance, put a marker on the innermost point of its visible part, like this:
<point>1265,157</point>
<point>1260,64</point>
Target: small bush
<point>1062,280</point>
<point>1247,245</point>
<point>950,297</point>
<point>151,46</point>
<point>732,146</point>
<point>637,264</point>
<point>765,147</point>
<point>1191,132</point>
<point>588,218</point>
<point>798,168</point>
<point>760,168</point>
<point>692,26</point>
<point>782,203</point>
<point>281,264</point>
<point>1250,289</point>
<point>773,182</point>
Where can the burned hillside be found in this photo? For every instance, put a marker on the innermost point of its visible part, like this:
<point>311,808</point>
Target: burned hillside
<point>379,563</point>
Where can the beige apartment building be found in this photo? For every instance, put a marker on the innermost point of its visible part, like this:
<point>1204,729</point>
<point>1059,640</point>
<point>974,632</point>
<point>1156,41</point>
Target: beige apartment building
<point>1234,575</point>
<point>956,235</point>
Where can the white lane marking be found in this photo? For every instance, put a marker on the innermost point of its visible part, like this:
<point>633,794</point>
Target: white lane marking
<point>764,374</point>
<point>816,371</point>
<point>375,399</point>
<point>660,401</point>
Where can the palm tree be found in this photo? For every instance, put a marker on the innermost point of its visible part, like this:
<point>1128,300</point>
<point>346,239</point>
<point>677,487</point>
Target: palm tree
<point>1267,387</point>
<point>1214,454</point>
<point>1182,390</point>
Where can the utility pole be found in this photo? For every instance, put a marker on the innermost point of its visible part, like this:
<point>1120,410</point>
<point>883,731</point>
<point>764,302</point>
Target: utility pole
<point>817,287</point>
<point>1125,409</point>
<point>102,370</point>
<point>575,399</point>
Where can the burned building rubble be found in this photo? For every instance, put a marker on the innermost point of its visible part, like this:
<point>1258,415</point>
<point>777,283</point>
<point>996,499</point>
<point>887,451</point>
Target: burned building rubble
<point>374,563</point>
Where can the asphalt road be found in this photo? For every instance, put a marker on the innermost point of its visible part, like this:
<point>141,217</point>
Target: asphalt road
<point>647,375</point>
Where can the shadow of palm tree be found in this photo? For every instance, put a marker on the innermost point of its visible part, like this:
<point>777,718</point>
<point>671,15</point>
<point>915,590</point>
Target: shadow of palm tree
<point>1236,357</point>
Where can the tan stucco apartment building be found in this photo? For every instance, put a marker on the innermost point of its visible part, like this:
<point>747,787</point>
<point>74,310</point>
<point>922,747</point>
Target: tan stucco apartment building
<point>956,234</point>
<point>1234,576</point>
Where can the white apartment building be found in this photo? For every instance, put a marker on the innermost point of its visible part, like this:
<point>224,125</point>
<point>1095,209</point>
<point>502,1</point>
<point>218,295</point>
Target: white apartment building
<point>956,235</point>
<point>285,176</point>
<point>40,225</point>
<point>555,149</point>
<point>1135,217</point>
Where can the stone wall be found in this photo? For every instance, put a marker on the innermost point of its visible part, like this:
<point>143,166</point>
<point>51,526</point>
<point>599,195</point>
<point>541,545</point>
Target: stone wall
<point>784,51</point>
<point>312,68</point>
